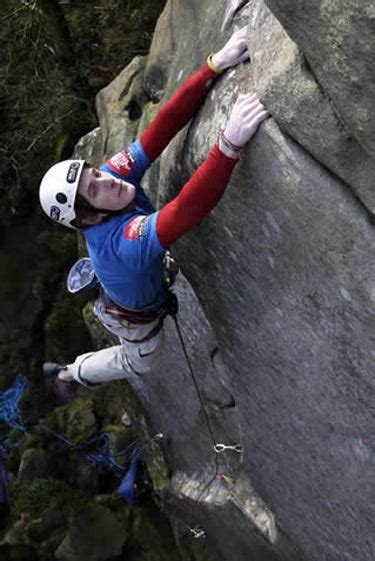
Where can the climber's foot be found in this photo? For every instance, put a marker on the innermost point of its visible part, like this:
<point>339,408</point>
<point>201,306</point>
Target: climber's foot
<point>59,379</point>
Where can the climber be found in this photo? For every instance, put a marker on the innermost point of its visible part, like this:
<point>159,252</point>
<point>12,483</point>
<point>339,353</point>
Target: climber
<point>126,238</point>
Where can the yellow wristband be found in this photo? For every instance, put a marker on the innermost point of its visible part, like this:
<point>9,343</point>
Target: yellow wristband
<point>211,64</point>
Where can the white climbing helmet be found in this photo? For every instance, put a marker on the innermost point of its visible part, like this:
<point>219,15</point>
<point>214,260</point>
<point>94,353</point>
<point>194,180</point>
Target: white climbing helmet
<point>58,190</point>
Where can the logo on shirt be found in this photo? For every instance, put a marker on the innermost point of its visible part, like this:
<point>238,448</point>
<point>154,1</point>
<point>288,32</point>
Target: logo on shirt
<point>122,162</point>
<point>136,228</point>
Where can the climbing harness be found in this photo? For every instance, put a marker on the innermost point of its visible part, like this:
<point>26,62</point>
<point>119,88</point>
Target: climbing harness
<point>82,281</point>
<point>148,314</point>
<point>140,315</point>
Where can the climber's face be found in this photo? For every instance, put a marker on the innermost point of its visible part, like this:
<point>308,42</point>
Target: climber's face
<point>103,191</point>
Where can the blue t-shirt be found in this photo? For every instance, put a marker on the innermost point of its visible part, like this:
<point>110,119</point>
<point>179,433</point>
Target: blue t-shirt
<point>125,251</point>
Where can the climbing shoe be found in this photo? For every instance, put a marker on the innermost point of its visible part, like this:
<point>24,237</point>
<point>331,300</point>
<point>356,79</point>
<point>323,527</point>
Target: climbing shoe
<point>64,391</point>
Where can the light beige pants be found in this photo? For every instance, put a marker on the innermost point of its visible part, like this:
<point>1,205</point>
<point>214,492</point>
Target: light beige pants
<point>130,359</point>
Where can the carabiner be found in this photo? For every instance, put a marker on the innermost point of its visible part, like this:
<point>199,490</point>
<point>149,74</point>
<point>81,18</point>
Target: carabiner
<point>222,447</point>
<point>198,533</point>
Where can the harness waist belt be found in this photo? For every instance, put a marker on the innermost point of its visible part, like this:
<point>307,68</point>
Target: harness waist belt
<point>132,315</point>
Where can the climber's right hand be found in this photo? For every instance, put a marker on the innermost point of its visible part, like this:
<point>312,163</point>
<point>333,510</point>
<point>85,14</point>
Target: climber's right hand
<point>234,51</point>
<point>247,114</point>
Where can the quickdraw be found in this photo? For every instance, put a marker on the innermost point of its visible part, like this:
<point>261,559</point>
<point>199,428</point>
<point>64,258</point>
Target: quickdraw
<point>198,533</point>
<point>223,447</point>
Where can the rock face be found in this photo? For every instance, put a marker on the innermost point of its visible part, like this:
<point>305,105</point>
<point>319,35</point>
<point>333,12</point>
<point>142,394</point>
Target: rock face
<point>278,313</point>
<point>86,538</point>
<point>338,40</point>
<point>303,108</point>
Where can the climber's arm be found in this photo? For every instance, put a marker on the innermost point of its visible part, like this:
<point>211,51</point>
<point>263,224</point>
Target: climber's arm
<point>206,187</point>
<point>177,112</point>
<point>186,101</point>
<point>197,198</point>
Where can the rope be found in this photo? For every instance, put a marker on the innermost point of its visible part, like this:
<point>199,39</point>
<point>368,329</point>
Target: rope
<point>9,404</point>
<point>101,457</point>
<point>197,531</point>
<point>210,430</point>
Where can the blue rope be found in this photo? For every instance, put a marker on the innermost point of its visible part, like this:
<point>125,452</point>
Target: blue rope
<point>103,457</point>
<point>9,404</point>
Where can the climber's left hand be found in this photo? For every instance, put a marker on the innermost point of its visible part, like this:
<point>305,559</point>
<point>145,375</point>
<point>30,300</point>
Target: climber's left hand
<point>233,52</point>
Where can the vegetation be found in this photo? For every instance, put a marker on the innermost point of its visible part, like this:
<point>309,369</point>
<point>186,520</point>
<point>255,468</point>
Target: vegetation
<point>33,500</point>
<point>54,60</point>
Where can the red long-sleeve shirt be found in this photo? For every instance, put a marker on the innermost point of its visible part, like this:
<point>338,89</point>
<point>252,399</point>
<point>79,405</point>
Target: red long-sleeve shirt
<point>205,188</point>
<point>127,251</point>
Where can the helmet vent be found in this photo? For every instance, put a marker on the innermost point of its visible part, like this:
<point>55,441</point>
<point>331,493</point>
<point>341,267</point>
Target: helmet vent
<point>61,198</point>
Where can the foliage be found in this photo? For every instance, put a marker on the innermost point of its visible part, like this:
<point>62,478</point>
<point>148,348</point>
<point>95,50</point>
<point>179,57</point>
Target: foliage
<point>32,500</point>
<point>54,60</point>
<point>110,33</point>
<point>40,101</point>
<point>65,332</point>
<point>53,63</point>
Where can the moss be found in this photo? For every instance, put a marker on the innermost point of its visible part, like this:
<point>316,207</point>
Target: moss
<point>15,436</point>
<point>58,251</point>
<point>80,421</point>
<point>111,400</point>
<point>18,552</point>
<point>29,502</point>
<point>47,547</point>
<point>152,531</point>
<point>110,36</point>
<point>94,533</point>
<point>110,404</point>
<point>61,245</point>
<point>66,335</point>
<point>60,146</point>
<point>12,276</point>
<point>121,439</point>
<point>44,285</point>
